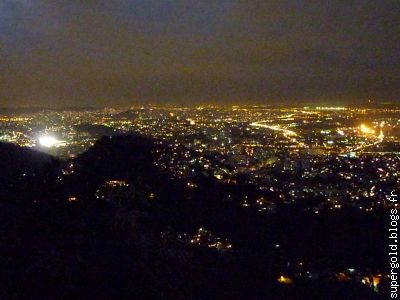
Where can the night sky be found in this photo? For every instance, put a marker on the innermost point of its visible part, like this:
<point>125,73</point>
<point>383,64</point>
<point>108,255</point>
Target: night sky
<point>69,53</point>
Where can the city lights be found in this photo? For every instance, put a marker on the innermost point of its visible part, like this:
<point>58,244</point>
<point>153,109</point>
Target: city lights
<point>199,149</point>
<point>283,156</point>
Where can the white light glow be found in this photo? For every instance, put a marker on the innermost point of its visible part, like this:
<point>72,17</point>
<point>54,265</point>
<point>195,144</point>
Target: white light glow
<point>48,141</point>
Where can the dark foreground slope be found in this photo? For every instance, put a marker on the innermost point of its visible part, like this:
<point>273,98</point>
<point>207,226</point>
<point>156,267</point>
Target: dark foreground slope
<point>112,228</point>
<point>25,173</point>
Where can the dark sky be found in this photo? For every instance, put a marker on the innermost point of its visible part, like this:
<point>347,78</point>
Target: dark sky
<point>119,52</point>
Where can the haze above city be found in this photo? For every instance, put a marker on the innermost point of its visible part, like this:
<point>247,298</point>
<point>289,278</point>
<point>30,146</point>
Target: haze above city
<point>118,53</point>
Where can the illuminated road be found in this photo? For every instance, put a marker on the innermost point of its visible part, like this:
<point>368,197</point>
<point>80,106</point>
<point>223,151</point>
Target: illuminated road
<point>361,147</point>
<point>290,134</point>
<point>286,132</point>
<point>364,146</point>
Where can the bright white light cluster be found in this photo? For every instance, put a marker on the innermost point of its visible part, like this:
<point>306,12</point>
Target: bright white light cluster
<point>48,141</point>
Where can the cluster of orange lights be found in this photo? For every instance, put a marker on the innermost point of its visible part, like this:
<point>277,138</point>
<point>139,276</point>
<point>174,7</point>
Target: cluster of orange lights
<point>366,129</point>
